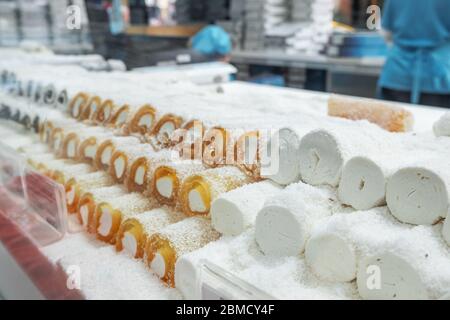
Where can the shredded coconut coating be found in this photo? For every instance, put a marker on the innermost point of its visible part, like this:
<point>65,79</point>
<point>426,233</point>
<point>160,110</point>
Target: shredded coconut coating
<point>17,141</point>
<point>76,170</point>
<point>132,204</point>
<point>106,193</point>
<point>388,116</point>
<point>224,179</point>
<point>60,164</point>
<point>95,179</point>
<point>40,158</point>
<point>156,159</point>
<point>122,141</point>
<point>423,248</point>
<point>362,229</point>
<point>183,169</point>
<point>135,150</point>
<point>36,148</point>
<point>189,234</point>
<point>155,220</point>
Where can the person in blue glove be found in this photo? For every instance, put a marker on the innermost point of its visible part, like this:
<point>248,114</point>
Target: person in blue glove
<point>212,41</point>
<point>417,69</point>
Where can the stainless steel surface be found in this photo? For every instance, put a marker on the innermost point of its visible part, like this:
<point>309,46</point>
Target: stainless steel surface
<point>364,66</point>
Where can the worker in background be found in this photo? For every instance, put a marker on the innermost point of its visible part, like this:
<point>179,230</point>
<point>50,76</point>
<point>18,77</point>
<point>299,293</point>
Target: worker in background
<point>213,42</point>
<point>118,13</point>
<point>417,69</point>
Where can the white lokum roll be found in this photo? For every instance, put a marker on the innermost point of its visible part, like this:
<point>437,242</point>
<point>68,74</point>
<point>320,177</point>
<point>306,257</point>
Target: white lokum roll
<point>285,222</point>
<point>235,211</point>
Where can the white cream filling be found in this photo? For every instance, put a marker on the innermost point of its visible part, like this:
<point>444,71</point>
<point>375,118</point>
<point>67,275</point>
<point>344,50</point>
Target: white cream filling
<point>331,258</point>
<point>84,212</point>
<point>164,186</point>
<point>417,196</point>
<point>106,155</point>
<point>278,232</point>
<point>105,223</point>
<point>196,203</point>
<point>187,275</point>
<point>363,184</point>
<point>90,151</point>
<point>442,126</point>
<point>107,112</point>
<point>76,108</point>
<point>139,176</point>
<point>166,131</point>
<point>146,121</point>
<point>57,143</point>
<point>389,277</point>
<point>281,157</point>
<point>321,159</point>
<point>122,118</point>
<point>227,218</point>
<point>71,149</point>
<point>93,110</point>
<point>129,243</point>
<point>70,195</point>
<point>158,265</point>
<point>119,167</point>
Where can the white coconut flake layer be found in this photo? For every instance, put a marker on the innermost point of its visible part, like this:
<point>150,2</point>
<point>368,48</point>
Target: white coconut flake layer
<point>235,211</point>
<point>284,223</point>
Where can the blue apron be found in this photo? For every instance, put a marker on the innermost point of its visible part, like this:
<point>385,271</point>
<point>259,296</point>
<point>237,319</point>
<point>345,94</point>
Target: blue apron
<point>419,61</point>
<point>116,23</point>
<point>419,70</point>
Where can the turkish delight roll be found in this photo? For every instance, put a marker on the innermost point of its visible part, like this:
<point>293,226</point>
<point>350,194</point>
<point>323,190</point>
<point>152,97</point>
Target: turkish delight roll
<point>123,157</point>
<point>89,112</point>
<point>78,104</point>
<point>324,152</point>
<point>338,244</point>
<point>284,224</point>
<point>105,111</point>
<point>142,120</point>
<point>281,155</point>
<point>58,134</point>
<point>78,184</point>
<point>235,211</point>
<point>200,190</point>
<point>139,177</point>
<point>120,116</point>
<point>134,232</point>
<point>364,178</point>
<point>106,149</point>
<point>165,247</point>
<point>73,139</point>
<point>388,116</point>
<point>415,265</point>
<point>167,179</point>
<point>89,144</point>
<point>441,127</point>
<point>164,129</point>
<point>420,193</point>
<point>47,127</point>
<point>91,198</point>
<point>110,214</point>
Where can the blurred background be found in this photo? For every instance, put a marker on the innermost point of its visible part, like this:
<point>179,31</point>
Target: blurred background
<point>322,45</point>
